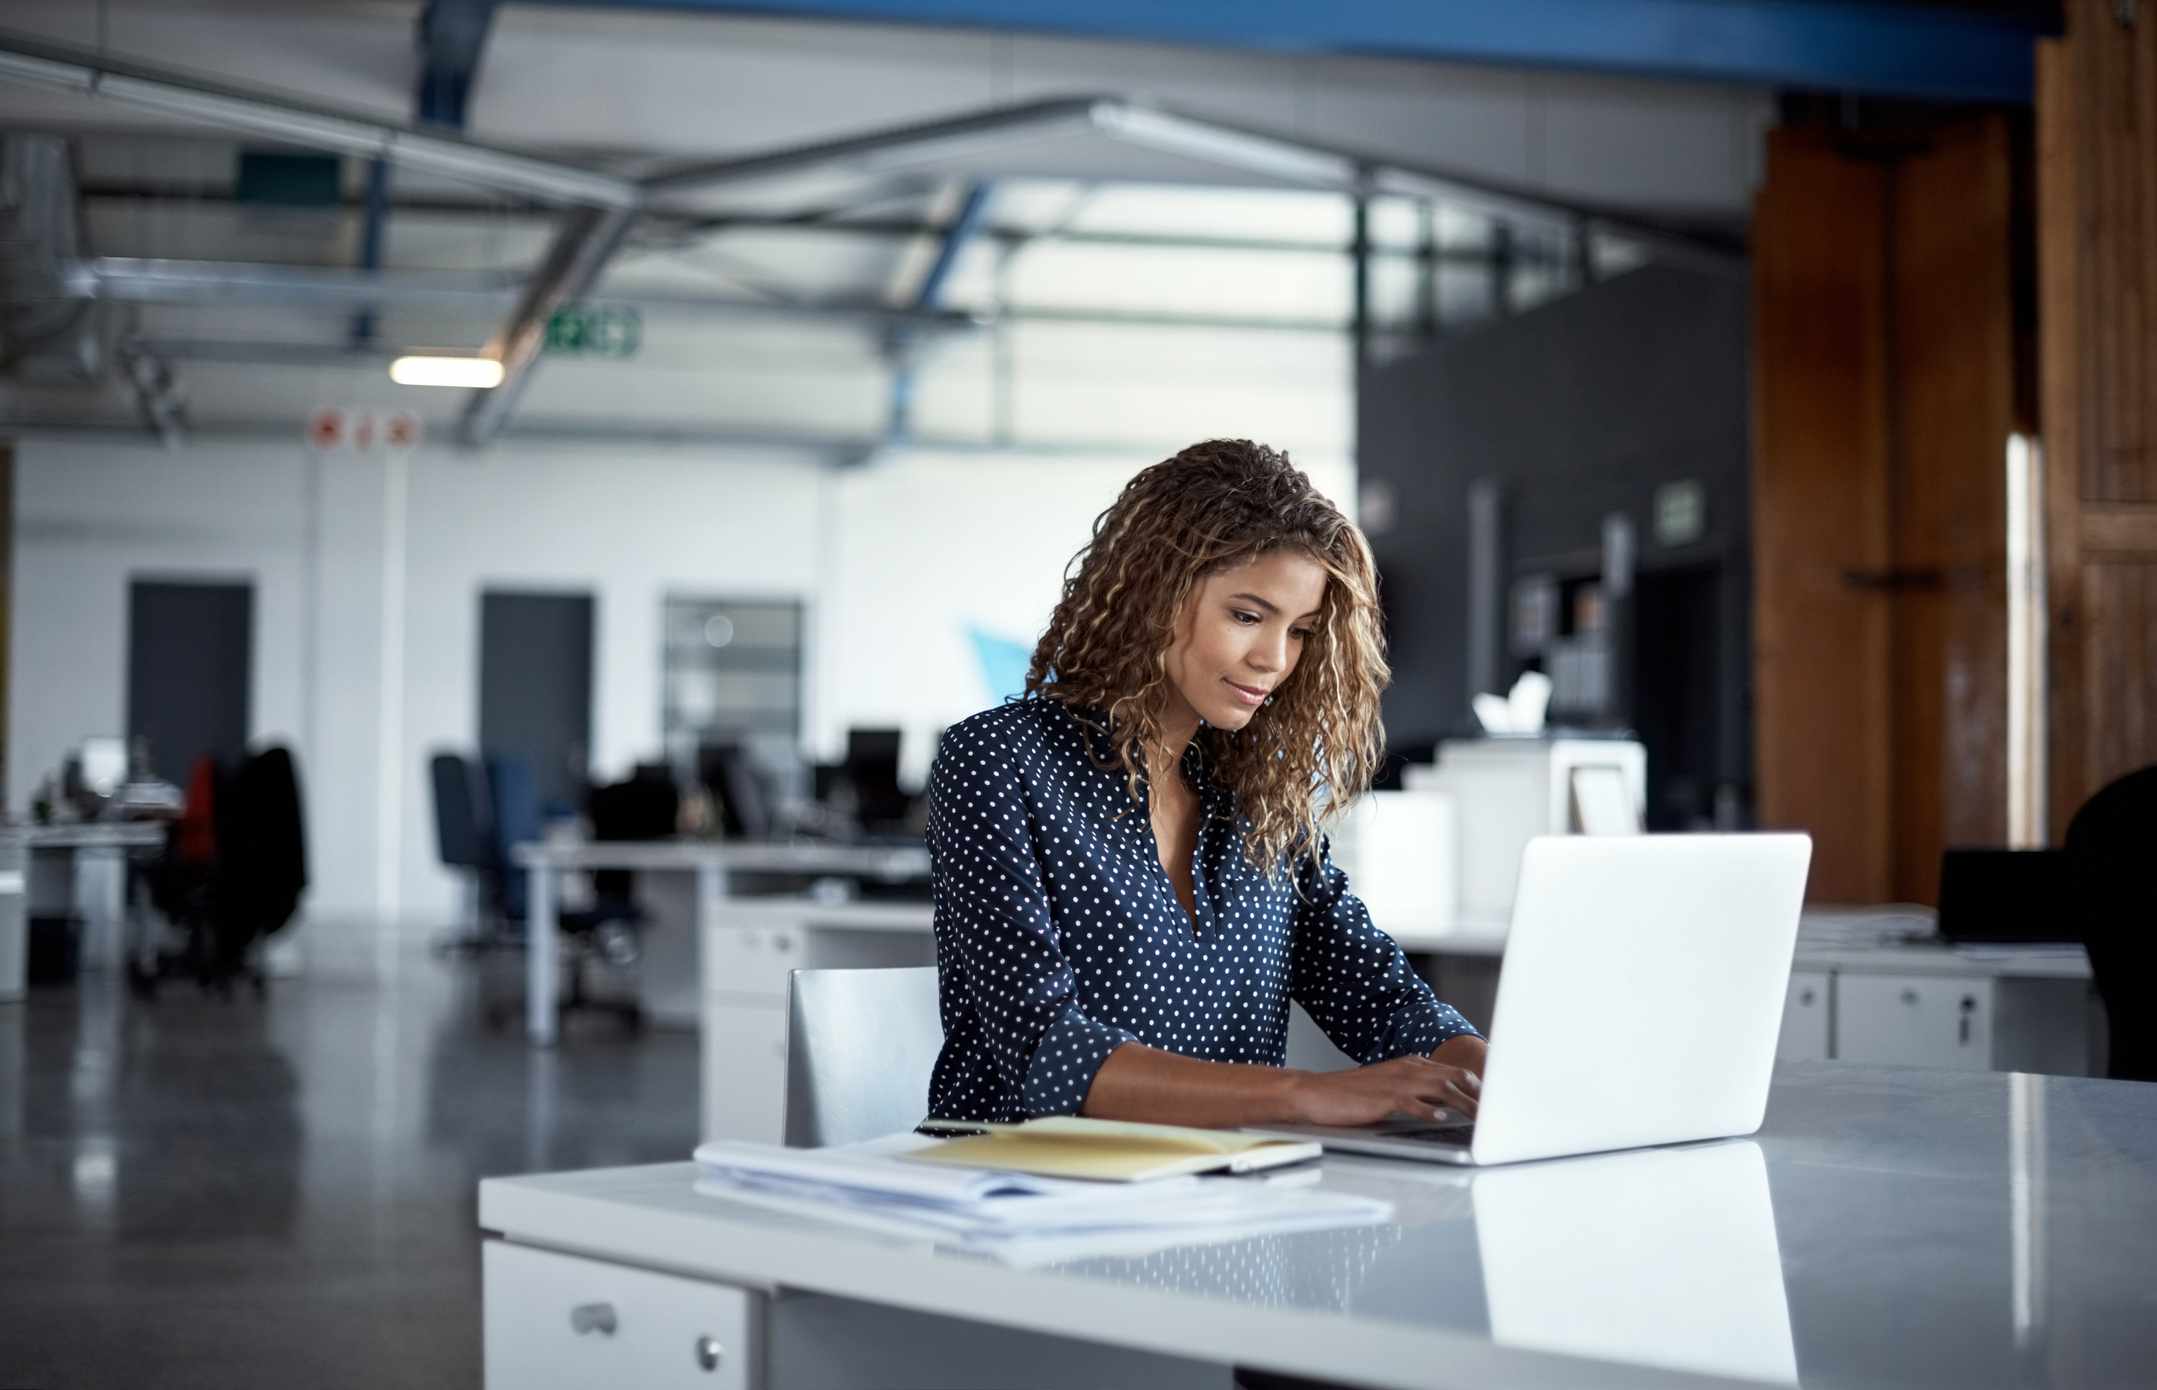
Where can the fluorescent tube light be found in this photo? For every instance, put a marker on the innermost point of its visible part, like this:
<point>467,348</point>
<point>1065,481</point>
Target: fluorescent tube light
<point>479,373</point>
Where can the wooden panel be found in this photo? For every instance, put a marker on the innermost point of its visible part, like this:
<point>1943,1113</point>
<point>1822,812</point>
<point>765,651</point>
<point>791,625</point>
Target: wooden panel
<point>2119,730</point>
<point>1952,364</point>
<point>1821,511</point>
<point>2097,251</point>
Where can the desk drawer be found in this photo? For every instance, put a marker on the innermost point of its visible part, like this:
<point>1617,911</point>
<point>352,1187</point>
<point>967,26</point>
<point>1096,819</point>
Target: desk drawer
<point>1914,1020</point>
<point>557,1320</point>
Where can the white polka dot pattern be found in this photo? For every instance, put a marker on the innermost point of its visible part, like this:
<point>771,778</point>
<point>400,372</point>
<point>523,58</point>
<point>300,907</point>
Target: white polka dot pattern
<point>1059,937</point>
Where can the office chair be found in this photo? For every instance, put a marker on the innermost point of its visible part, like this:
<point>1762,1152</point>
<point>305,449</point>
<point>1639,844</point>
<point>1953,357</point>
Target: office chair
<point>586,933</point>
<point>234,873</point>
<point>464,842</point>
<point>860,1047</point>
<point>2109,846</point>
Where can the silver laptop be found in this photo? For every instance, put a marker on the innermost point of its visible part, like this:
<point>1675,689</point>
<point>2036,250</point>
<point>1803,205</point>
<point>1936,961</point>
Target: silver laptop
<point>1640,1001</point>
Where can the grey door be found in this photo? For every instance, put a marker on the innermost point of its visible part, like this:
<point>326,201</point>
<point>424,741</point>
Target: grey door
<point>535,687</point>
<point>190,671</point>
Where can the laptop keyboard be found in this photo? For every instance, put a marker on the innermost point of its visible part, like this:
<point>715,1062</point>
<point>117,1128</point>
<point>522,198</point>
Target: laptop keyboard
<point>1459,1133</point>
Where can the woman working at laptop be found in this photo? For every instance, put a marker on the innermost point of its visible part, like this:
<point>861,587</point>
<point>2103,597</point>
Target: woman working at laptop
<point>1130,880</point>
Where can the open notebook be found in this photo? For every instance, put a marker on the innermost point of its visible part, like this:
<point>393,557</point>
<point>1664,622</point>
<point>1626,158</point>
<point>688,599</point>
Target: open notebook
<point>1071,1146</point>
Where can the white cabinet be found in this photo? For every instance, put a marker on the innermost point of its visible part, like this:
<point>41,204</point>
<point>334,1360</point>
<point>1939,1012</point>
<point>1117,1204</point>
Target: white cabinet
<point>554,1320</point>
<point>1805,1036</point>
<point>748,951</point>
<point>1914,1020</point>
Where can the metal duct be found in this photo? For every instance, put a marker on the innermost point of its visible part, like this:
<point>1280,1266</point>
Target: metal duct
<point>48,333</point>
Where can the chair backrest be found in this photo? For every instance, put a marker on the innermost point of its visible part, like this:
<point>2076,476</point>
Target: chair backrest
<point>2111,846</point>
<point>461,835</point>
<point>860,1045</point>
<point>513,807</point>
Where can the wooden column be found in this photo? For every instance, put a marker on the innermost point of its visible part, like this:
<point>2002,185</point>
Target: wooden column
<point>1822,712</point>
<point>1884,336</point>
<point>2097,256</point>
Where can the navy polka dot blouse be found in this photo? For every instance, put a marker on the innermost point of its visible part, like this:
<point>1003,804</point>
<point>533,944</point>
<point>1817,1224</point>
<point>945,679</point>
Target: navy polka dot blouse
<point>1059,936</point>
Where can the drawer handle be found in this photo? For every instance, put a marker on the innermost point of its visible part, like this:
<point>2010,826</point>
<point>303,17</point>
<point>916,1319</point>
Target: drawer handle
<point>1806,997</point>
<point>1909,996</point>
<point>592,1317</point>
<point>710,1353</point>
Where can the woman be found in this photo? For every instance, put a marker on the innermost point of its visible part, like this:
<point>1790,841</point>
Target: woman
<point>1130,880</point>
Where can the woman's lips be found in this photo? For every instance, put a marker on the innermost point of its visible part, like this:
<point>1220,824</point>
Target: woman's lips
<point>1250,695</point>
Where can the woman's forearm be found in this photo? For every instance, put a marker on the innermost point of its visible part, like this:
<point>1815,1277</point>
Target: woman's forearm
<point>1145,1083</point>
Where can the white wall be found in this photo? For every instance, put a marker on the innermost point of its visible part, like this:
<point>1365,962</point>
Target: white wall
<point>368,575</point>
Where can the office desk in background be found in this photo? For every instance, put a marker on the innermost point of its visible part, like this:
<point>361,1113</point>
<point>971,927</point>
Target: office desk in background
<point>1886,1227</point>
<point>709,868</point>
<point>81,868</point>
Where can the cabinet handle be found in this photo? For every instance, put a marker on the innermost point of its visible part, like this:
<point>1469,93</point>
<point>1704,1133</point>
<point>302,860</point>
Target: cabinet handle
<point>1805,998</point>
<point>592,1317</point>
<point>710,1353</point>
<point>1969,1006</point>
<point>1909,996</point>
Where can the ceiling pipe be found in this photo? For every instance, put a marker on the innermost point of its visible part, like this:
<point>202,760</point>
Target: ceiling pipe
<point>281,117</point>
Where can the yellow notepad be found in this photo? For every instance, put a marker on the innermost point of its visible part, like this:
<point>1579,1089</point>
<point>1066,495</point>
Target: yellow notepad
<point>1071,1146</point>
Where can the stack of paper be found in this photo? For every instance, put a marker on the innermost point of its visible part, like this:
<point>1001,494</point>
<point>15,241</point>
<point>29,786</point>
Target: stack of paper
<point>1018,1217</point>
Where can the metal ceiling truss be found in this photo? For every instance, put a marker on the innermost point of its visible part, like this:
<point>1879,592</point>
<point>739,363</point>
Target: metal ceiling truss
<point>603,207</point>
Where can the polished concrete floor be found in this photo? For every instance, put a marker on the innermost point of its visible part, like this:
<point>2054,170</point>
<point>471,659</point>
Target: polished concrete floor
<point>281,1191</point>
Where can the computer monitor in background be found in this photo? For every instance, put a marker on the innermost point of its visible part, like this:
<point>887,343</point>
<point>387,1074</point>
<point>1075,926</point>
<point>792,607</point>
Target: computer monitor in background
<point>737,794</point>
<point>104,764</point>
<point>872,765</point>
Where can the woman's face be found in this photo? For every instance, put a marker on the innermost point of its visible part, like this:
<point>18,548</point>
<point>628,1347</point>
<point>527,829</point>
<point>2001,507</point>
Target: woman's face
<point>1240,636</point>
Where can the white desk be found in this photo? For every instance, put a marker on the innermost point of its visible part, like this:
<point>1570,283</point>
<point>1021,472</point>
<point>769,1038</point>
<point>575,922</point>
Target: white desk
<point>83,865</point>
<point>1886,1227</point>
<point>711,865</point>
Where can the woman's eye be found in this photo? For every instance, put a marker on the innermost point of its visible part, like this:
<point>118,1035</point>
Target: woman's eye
<point>1300,633</point>
<point>1243,617</point>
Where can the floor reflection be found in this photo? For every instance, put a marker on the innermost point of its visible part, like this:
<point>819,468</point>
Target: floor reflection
<point>242,1192</point>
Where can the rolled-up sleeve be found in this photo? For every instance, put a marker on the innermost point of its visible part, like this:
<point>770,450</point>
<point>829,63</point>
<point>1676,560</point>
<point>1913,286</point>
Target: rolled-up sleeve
<point>996,939</point>
<point>1352,978</point>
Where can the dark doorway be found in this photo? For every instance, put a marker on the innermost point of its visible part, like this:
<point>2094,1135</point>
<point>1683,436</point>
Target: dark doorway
<point>1677,651</point>
<point>535,687</point>
<point>190,671</point>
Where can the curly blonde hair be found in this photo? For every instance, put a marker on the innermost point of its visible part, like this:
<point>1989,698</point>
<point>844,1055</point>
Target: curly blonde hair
<point>1215,506</point>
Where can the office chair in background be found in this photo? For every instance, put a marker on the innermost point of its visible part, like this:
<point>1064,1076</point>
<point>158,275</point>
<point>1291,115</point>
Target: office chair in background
<point>232,876</point>
<point>482,811</point>
<point>464,842</point>
<point>860,1047</point>
<point>604,931</point>
<point>2112,853</point>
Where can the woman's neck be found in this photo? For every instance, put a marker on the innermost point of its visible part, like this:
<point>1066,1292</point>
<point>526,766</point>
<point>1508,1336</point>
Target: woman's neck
<point>1177,731</point>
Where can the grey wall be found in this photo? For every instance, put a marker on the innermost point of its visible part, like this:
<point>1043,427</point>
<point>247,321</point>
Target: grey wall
<point>1579,408</point>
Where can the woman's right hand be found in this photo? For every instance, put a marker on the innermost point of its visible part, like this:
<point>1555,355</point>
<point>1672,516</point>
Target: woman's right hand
<point>1412,1085</point>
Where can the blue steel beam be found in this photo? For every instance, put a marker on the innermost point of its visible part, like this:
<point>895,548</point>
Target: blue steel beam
<point>452,35</point>
<point>972,216</point>
<point>1942,51</point>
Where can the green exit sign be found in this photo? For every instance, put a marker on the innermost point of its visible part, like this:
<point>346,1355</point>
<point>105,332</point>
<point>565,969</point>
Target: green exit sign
<point>595,331</point>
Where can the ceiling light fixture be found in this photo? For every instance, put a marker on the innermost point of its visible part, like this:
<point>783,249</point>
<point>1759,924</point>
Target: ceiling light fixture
<point>478,373</point>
